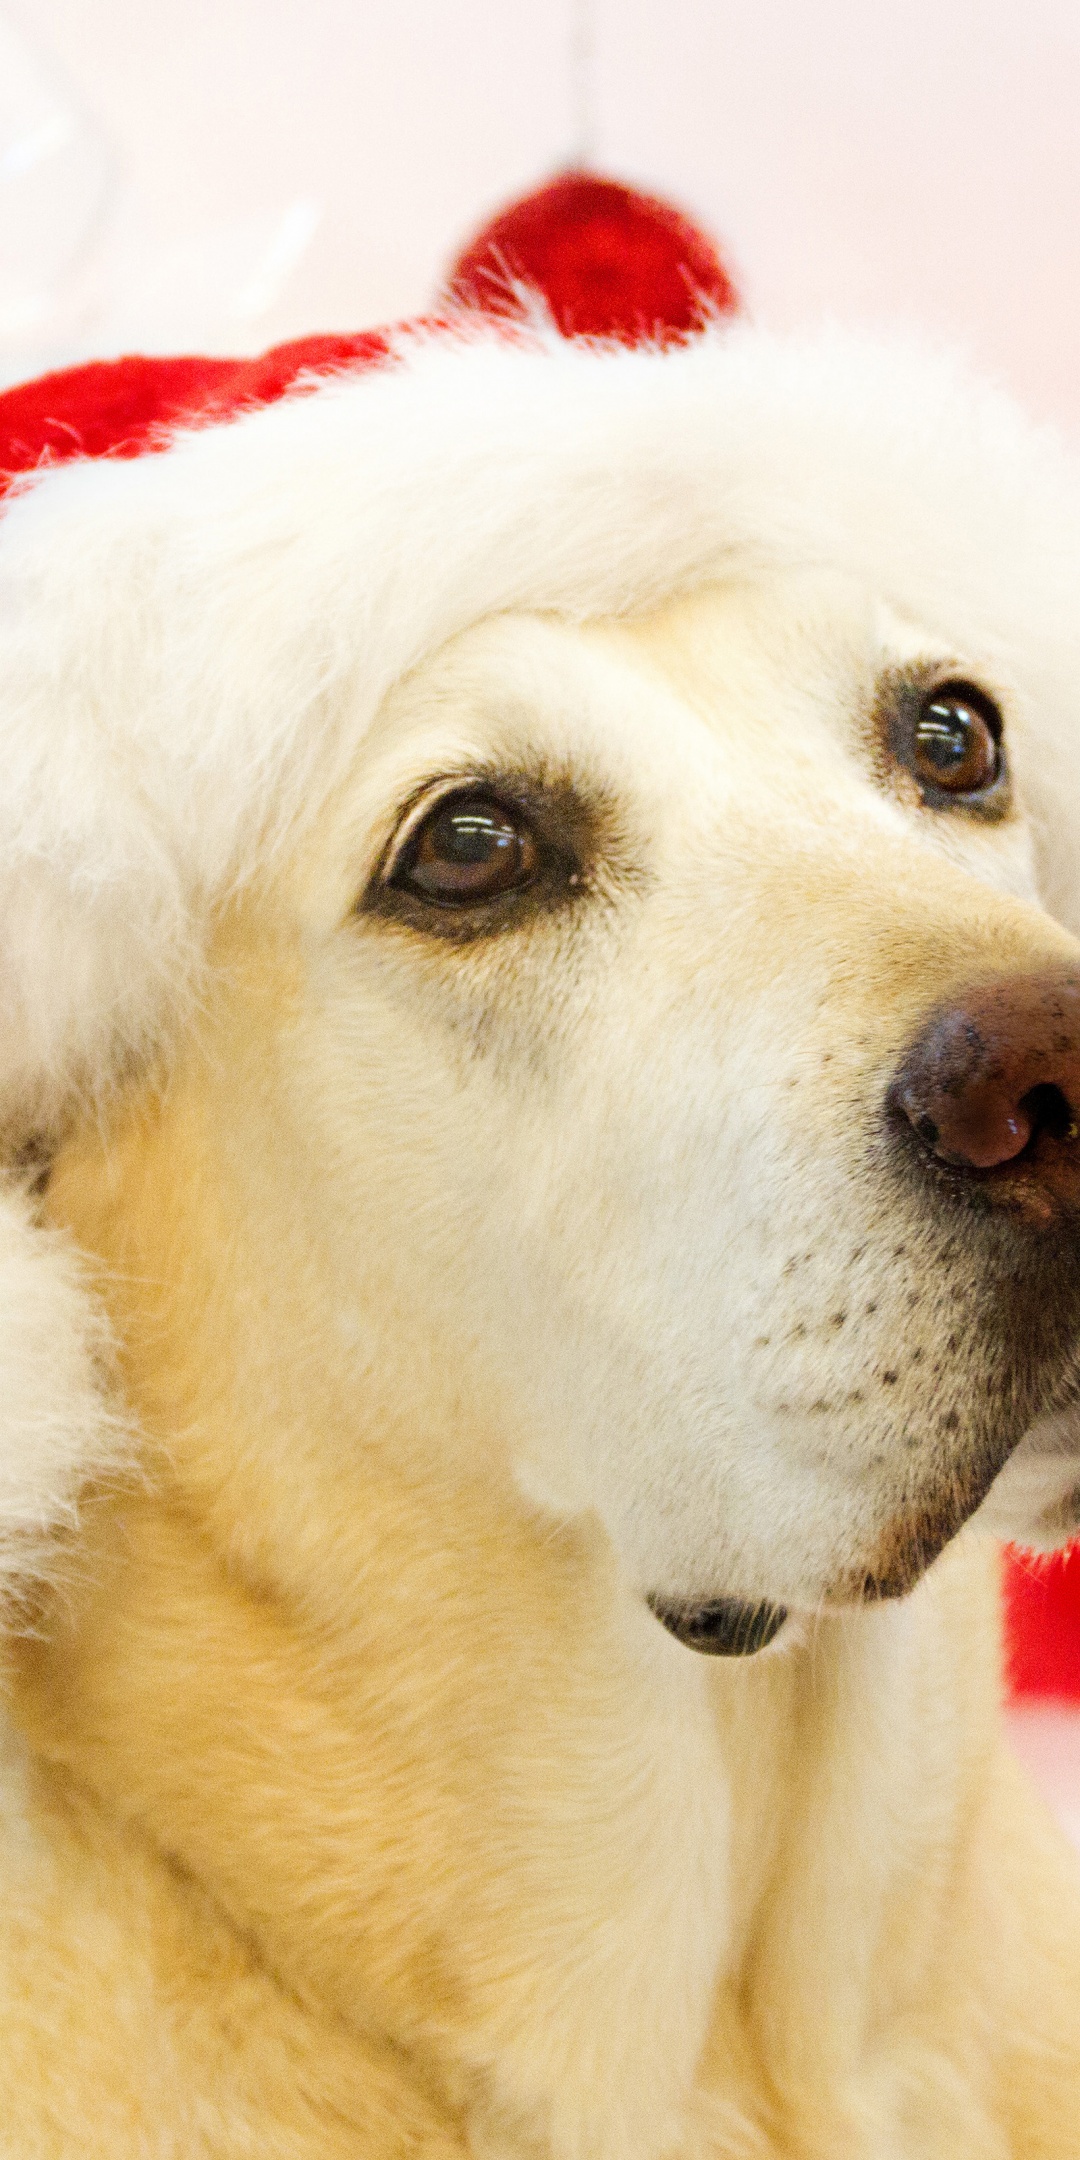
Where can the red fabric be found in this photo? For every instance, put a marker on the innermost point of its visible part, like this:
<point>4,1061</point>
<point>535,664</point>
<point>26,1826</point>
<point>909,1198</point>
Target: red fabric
<point>124,407</point>
<point>609,261</point>
<point>1042,1624</point>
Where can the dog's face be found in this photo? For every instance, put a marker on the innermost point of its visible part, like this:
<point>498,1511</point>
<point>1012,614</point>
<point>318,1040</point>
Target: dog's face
<point>606,972</point>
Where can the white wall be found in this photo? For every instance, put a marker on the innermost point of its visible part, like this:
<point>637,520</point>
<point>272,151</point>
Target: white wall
<point>243,170</point>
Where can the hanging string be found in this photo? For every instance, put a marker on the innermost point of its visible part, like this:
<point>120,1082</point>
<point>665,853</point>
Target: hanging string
<point>582,73</point>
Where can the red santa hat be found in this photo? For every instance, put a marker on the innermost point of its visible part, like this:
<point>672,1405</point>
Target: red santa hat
<point>211,572</point>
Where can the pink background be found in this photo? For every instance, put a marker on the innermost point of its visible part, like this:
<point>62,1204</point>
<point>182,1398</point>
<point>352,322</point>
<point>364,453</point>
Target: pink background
<point>266,167</point>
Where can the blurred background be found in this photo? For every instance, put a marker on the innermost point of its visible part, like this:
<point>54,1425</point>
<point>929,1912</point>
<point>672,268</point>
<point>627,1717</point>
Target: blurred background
<point>233,172</point>
<point>223,175</point>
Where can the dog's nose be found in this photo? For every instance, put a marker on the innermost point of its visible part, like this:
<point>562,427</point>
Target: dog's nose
<point>996,1076</point>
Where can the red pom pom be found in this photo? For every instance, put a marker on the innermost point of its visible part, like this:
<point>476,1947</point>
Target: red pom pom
<point>609,262</point>
<point>1042,1624</point>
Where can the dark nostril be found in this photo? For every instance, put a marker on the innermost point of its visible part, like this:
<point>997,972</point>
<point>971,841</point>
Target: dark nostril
<point>1048,1110</point>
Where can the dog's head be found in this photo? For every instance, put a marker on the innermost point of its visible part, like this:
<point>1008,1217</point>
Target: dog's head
<point>683,1084</point>
<point>685,985</point>
<point>648,1062</point>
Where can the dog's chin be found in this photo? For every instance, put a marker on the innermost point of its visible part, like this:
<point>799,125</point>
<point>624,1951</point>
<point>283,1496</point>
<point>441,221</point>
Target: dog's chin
<point>1034,1501</point>
<point>722,1627</point>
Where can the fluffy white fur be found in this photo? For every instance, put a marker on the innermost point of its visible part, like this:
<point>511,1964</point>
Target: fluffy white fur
<point>191,645</point>
<point>55,1425</point>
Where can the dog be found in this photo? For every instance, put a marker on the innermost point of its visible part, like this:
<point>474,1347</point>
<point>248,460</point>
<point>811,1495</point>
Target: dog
<point>565,1130</point>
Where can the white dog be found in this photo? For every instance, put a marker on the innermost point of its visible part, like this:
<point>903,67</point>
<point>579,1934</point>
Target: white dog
<point>529,991</point>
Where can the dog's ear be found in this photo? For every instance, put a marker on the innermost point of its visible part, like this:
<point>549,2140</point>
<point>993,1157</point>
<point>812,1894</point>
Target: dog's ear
<point>57,1427</point>
<point>87,955</point>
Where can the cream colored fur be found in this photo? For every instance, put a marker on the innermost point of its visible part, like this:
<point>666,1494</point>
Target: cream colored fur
<point>354,1802</point>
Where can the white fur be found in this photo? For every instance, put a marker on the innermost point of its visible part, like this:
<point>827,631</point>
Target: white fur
<point>55,1426</point>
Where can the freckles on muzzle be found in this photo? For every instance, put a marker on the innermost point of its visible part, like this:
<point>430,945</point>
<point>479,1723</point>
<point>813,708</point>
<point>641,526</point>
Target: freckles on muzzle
<point>983,1124</point>
<point>918,1315</point>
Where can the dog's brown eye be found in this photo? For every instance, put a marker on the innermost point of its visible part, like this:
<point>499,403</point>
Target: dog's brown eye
<point>471,847</point>
<point>957,737</point>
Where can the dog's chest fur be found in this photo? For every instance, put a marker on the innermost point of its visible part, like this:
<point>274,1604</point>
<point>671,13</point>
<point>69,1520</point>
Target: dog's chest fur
<point>715,1925</point>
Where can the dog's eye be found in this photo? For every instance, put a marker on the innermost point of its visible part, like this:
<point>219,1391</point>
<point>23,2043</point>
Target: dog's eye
<point>957,740</point>
<point>470,847</point>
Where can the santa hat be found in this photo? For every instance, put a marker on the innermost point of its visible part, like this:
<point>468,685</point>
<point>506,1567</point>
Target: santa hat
<point>212,571</point>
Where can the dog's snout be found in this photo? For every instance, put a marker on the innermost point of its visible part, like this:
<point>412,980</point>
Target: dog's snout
<point>993,1081</point>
